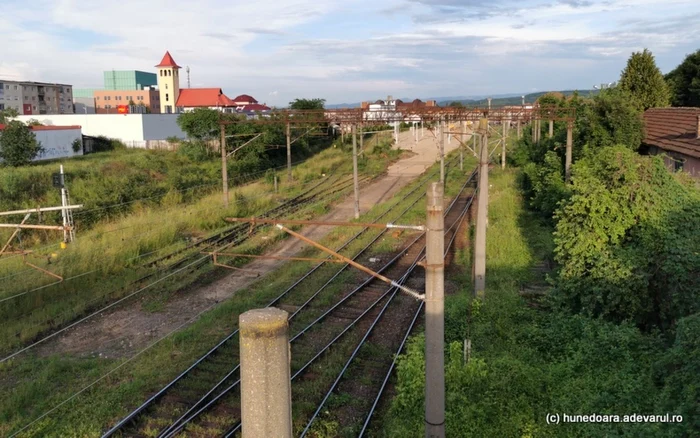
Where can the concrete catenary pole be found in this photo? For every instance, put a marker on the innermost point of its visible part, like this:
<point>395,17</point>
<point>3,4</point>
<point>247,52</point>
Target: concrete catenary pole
<point>482,214</point>
<point>356,182</point>
<point>289,152</point>
<point>224,167</point>
<point>551,129</point>
<point>64,203</point>
<point>503,146</point>
<point>569,147</point>
<point>435,314</point>
<point>474,140</point>
<point>519,130</point>
<point>266,390</point>
<point>442,152</point>
<point>461,145</point>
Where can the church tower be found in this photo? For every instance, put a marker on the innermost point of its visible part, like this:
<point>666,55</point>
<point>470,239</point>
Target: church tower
<point>168,84</point>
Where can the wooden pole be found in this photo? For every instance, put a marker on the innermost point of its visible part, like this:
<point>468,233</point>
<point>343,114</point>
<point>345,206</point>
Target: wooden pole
<point>435,314</point>
<point>551,128</point>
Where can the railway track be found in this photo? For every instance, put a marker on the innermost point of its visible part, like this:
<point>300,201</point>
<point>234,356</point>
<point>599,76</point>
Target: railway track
<point>177,404</point>
<point>191,260</point>
<point>374,358</point>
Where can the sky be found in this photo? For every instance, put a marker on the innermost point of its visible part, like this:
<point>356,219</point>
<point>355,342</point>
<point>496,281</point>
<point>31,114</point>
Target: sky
<point>350,50</point>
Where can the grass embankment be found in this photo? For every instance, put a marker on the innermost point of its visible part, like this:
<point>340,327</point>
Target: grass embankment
<point>33,385</point>
<point>527,362</point>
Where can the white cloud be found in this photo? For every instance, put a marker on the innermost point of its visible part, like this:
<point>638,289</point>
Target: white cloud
<point>424,47</point>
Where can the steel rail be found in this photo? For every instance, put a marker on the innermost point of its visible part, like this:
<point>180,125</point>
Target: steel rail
<point>234,428</point>
<point>184,419</point>
<point>153,398</point>
<point>369,330</point>
<point>175,266</point>
<point>237,426</point>
<point>175,428</point>
<point>365,425</point>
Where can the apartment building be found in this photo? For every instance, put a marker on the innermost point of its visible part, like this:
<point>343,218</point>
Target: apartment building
<point>30,98</point>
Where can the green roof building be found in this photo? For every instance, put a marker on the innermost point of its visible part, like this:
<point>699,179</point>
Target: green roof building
<point>129,80</point>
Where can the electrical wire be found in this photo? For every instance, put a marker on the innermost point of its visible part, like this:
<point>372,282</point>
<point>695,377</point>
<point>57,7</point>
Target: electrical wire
<point>5,359</point>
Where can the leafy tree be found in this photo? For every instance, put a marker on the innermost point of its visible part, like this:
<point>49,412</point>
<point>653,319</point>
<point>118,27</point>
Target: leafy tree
<point>307,104</point>
<point>644,82</point>
<point>7,114</point>
<point>627,241</point>
<point>200,124</point>
<point>33,122</point>
<point>684,81</point>
<point>18,145</point>
<point>610,118</point>
<point>456,104</point>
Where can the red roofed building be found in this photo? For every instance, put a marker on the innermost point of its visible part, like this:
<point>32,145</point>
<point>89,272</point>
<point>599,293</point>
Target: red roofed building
<point>674,132</point>
<point>176,100</point>
<point>214,98</point>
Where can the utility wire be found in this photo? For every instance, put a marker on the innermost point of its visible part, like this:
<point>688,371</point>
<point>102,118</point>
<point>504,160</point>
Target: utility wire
<point>5,359</point>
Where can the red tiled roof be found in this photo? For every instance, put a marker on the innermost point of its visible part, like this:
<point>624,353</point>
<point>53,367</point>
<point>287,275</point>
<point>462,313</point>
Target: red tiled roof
<point>245,98</point>
<point>49,127</point>
<point>256,107</point>
<point>673,129</point>
<point>202,97</point>
<point>167,61</point>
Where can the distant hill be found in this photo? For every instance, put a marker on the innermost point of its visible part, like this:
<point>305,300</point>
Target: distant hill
<point>480,100</point>
<point>514,100</point>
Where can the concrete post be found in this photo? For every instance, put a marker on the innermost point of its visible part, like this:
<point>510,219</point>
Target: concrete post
<point>224,167</point>
<point>474,143</point>
<point>266,390</point>
<point>482,215</point>
<point>435,314</point>
<point>569,147</point>
<point>461,146</point>
<point>442,153</point>
<point>551,128</point>
<point>289,153</point>
<point>276,184</point>
<point>534,131</point>
<point>503,149</point>
<point>519,131</point>
<point>362,137</point>
<point>355,179</point>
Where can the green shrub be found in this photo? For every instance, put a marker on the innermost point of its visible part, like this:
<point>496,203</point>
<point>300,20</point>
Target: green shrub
<point>195,150</point>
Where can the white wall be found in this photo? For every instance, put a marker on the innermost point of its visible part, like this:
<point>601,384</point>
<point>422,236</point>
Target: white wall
<point>125,127</point>
<point>58,144</point>
<point>161,126</point>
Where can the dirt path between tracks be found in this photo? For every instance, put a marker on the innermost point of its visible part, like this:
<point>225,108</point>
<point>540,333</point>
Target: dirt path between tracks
<point>123,331</point>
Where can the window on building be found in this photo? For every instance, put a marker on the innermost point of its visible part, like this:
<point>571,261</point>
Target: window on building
<point>33,97</point>
<point>15,87</point>
<point>166,86</point>
<point>167,97</point>
<point>678,164</point>
<point>34,107</point>
<point>140,98</point>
